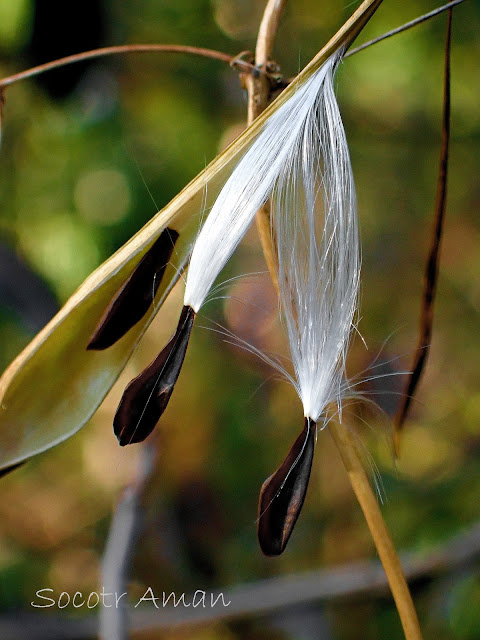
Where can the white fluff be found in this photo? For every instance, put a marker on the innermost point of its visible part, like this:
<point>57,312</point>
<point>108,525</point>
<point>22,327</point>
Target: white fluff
<point>300,161</point>
<point>250,185</point>
<point>315,225</point>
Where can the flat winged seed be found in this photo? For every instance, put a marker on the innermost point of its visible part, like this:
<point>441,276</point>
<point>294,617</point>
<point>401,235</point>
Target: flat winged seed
<point>146,397</point>
<point>283,493</point>
<point>133,300</point>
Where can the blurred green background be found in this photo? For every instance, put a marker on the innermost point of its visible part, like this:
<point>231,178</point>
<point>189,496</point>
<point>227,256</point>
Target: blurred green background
<point>88,155</point>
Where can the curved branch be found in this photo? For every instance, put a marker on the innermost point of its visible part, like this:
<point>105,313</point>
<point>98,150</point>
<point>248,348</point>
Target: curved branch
<point>127,48</point>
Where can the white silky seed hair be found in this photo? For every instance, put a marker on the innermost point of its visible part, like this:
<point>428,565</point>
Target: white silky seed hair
<point>251,184</point>
<point>301,161</point>
<point>314,219</point>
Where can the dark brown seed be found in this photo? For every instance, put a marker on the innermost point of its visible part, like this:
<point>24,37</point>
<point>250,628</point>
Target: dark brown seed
<point>6,470</point>
<point>133,300</point>
<point>283,493</point>
<point>146,397</point>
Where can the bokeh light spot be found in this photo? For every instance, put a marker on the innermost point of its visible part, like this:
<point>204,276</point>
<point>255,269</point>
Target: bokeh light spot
<point>62,250</point>
<point>103,196</point>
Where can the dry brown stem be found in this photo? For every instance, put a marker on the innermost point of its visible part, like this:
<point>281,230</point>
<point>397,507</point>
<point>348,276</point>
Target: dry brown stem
<point>258,99</point>
<point>122,49</point>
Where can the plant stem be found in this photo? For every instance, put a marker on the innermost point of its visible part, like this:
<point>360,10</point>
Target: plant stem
<point>258,99</point>
<point>127,48</point>
<point>404,27</point>
<point>386,550</point>
<point>258,96</point>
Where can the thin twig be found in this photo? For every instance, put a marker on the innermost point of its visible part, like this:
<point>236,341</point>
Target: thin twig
<point>378,529</point>
<point>265,40</point>
<point>404,27</point>
<point>360,579</point>
<point>432,266</point>
<point>127,48</point>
